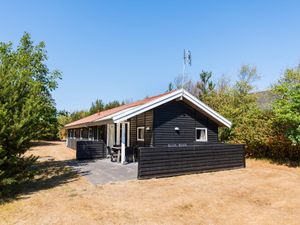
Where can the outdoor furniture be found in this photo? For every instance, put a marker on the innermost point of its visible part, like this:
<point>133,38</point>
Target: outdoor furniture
<point>130,154</point>
<point>108,152</point>
<point>116,153</point>
<point>113,154</point>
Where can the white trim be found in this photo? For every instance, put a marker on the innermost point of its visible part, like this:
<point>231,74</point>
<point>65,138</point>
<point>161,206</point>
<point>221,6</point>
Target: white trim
<point>124,115</point>
<point>123,147</point>
<point>206,109</point>
<point>128,133</point>
<point>201,128</point>
<point>97,133</point>
<point>137,134</point>
<point>90,138</point>
<point>107,134</point>
<point>111,137</point>
<point>181,94</point>
<point>121,116</point>
<point>118,134</point>
<point>109,117</point>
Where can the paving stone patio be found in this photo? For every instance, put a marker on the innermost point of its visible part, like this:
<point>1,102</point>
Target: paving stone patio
<point>104,171</point>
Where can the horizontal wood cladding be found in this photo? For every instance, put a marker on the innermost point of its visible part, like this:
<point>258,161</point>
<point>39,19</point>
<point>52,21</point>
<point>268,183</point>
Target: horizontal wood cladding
<point>157,162</point>
<point>90,150</point>
<point>179,114</point>
<point>142,120</point>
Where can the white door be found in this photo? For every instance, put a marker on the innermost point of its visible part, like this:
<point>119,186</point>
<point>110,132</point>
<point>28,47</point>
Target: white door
<point>110,135</point>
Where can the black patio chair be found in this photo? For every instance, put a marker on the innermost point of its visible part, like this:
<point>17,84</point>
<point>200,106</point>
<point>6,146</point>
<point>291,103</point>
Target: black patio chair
<point>113,155</point>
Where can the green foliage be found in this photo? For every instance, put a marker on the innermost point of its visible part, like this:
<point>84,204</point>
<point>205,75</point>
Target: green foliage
<point>286,107</point>
<point>98,106</point>
<point>250,124</point>
<point>267,132</point>
<point>205,85</point>
<point>65,117</point>
<point>112,104</point>
<point>170,87</point>
<point>27,110</point>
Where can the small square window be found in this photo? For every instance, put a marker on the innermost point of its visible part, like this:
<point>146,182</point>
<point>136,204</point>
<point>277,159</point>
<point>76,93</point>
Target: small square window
<point>201,134</point>
<point>140,133</point>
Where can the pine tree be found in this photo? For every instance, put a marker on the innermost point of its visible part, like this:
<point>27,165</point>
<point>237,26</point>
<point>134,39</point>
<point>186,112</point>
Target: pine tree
<point>27,110</point>
<point>98,106</point>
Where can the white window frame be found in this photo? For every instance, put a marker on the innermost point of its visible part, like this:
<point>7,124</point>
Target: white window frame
<point>80,134</point>
<point>201,128</point>
<point>92,134</point>
<point>137,133</point>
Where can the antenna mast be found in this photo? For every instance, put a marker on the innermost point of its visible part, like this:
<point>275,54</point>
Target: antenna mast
<point>187,61</point>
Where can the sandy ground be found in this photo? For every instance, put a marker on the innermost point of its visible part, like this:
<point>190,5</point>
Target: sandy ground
<point>262,193</point>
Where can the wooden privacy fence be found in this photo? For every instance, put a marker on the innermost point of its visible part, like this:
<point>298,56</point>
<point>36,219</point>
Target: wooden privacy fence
<point>90,150</point>
<point>171,161</point>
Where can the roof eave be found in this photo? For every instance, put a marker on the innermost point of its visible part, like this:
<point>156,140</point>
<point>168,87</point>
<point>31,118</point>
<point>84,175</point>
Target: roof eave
<point>122,116</point>
<point>222,120</point>
<point>128,113</point>
<point>90,124</point>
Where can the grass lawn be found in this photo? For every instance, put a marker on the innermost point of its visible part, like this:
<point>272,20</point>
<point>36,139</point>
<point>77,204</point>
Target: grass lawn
<point>263,193</point>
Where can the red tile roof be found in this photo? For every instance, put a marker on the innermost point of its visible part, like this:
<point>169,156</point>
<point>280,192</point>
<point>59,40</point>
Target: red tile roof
<point>102,114</point>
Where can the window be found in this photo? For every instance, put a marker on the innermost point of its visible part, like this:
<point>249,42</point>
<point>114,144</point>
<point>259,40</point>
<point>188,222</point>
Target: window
<point>201,134</point>
<point>91,134</point>
<point>140,133</point>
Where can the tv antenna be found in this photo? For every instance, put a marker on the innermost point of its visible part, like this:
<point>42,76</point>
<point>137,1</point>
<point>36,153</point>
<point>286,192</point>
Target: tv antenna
<point>187,61</point>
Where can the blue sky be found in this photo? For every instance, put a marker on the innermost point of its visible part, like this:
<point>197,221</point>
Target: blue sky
<point>127,50</point>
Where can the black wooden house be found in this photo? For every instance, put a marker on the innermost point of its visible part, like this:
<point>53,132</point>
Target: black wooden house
<point>174,125</point>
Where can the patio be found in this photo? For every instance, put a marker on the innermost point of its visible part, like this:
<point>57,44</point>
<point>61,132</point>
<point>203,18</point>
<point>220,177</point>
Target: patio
<point>104,171</point>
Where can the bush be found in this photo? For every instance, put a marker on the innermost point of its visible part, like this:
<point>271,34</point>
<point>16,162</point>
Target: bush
<point>277,148</point>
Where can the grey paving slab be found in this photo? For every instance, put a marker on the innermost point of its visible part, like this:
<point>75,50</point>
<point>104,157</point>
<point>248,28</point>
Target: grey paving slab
<point>104,171</point>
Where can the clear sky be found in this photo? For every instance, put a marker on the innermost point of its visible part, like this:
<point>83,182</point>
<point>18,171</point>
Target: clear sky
<point>127,50</point>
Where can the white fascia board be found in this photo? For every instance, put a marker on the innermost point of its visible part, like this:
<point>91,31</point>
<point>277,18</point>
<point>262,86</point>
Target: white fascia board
<point>147,106</point>
<point>115,114</point>
<point>206,109</point>
<point>133,111</point>
<point>101,122</point>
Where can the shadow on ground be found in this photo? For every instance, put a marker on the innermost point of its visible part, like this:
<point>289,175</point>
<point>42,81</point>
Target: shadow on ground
<point>44,143</point>
<point>49,174</point>
<point>285,162</point>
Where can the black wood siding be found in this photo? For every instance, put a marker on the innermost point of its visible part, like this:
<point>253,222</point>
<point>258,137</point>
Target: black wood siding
<point>142,120</point>
<point>179,114</point>
<point>90,150</point>
<point>171,161</point>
